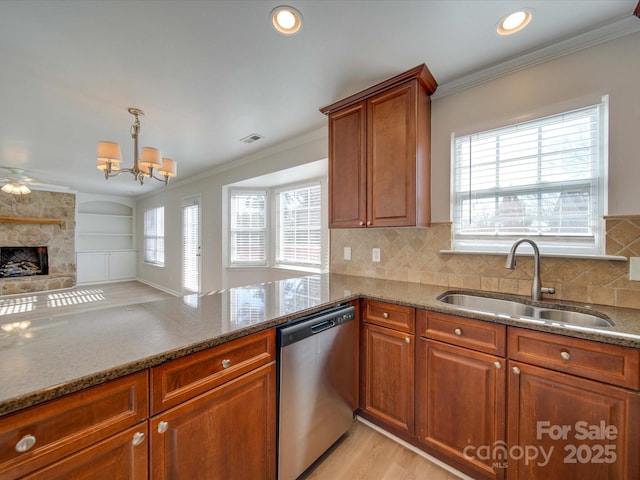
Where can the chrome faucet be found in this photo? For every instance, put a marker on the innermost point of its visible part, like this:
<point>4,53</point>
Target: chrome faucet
<point>536,286</point>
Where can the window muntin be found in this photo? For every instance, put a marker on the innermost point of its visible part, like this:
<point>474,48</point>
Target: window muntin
<point>154,236</point>
<point>248,230</point>
<point>542,179</point>
<point>299,235</point>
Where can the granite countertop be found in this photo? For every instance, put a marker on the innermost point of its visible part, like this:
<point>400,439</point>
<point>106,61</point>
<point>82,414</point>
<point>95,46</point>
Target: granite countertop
<point>57,355</point>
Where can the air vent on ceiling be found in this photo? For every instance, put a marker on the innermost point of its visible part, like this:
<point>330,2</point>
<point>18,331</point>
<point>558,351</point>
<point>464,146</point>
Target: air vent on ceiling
<point>251,138</point>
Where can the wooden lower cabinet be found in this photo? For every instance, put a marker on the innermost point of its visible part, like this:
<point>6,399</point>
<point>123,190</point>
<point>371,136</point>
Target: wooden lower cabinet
<point>225,433</point>
<point>568,427</point>
<point>460,411</point>
<point>121,457</point>
<point>387,376</point>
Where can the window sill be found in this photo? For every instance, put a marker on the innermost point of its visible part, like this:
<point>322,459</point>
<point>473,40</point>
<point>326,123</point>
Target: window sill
<point>611,258</point>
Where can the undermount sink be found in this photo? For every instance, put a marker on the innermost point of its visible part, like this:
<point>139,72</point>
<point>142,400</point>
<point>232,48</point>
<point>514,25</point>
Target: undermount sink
<point>521,311</point>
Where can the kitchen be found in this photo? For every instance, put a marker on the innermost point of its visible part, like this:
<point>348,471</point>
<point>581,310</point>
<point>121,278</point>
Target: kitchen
<point>599,69</point>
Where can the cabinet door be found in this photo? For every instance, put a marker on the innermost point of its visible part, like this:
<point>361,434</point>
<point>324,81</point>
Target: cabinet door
<point>570,427</point>
<point>121,457</point>
<point>122,265</point>
<point>347,167</point>
<point>391,151</point>
<point>226,433</point>
<point>91,267</point>
<point>387,376</point>
<point>460,407</point>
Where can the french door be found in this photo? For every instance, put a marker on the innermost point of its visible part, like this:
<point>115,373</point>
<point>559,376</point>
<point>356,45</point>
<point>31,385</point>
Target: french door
<point>191,232</point>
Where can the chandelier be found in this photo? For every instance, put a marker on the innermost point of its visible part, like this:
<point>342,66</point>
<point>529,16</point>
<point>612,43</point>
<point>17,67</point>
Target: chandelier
<point>145,165</point>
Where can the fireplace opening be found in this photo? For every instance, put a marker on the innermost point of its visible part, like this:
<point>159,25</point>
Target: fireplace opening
<point>23,261</point>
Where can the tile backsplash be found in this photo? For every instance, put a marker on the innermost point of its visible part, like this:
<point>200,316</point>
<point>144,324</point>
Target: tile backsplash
<point>412,254</point>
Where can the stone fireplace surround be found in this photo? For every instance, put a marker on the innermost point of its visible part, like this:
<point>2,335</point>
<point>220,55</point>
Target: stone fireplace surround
<point>58,238</point>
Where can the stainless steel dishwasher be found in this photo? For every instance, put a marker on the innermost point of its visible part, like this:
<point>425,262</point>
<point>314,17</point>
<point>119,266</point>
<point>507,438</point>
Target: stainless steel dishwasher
<point>316,382</point>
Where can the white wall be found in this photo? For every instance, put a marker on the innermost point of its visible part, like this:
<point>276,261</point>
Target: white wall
<point>611,68</point>
<point>305,149</point>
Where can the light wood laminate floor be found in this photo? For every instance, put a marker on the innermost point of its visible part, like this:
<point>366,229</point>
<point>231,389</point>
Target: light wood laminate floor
<point>365,454</point>
<point>15,308</point>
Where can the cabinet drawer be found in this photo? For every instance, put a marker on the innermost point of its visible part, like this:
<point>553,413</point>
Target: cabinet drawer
<point>184,378</point>
<point>598,361</point>
<point>397,317</point>
<point>465,332</point>
<point>65,425</point>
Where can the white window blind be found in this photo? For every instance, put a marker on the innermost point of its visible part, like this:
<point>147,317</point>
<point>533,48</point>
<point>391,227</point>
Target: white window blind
<point>248,228</point>
<point>191,245</point>
<point>542,179</point>
<point>299,226</point>
<point>154,236</point>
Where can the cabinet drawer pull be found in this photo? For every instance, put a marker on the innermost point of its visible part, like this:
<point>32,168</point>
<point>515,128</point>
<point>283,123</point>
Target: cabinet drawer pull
<point>407,339</point>
<point>25,443</point>
<point>163,427</point>
<point>458,332</point>
<point>516,370</point>
<point>226,363</point>
<point>385,315</point>
<point>138,438</point>
<point>565,355</point>
<point>497,364</point>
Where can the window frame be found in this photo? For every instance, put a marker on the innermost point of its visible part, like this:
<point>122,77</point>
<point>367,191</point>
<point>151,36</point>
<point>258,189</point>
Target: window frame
<point>278,260</point>
<point>264,261</point>
<point>555,244</point>
<point>158,257</point>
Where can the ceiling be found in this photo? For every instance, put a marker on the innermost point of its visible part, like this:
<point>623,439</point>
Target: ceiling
<point>208,73</point>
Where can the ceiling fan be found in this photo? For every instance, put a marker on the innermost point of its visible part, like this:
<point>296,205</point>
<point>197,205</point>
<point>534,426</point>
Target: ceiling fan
<point>17,182</point>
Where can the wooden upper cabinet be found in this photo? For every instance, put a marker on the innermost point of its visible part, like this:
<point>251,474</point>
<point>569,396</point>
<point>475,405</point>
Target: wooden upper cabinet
<point>347,169</point>
<point>379,154</point>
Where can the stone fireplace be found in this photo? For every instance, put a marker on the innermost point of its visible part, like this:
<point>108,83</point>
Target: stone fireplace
<point>37,249</point>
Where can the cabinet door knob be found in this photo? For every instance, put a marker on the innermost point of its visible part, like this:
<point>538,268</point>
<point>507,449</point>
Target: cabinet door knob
<point>25,443</point>
<point>226,363</point>
<point>138,438</point>
<point>565,355</point>
<point>369,224</point>
<point>458,332</point>
<point>362,224</point>
<point>163,427</point>
<point>516,370</point>
<point>407,339</point>
<point>497,364</point>
<point>385,315</point>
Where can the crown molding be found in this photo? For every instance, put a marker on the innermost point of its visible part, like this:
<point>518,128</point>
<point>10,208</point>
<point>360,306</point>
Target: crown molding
<point>588,39</point>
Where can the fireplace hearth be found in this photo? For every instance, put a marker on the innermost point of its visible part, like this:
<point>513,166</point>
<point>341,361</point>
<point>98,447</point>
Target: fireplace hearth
<point>23,261</point>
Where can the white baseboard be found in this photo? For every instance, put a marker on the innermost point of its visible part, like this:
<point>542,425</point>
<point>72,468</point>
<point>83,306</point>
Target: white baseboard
<point>159,287</point>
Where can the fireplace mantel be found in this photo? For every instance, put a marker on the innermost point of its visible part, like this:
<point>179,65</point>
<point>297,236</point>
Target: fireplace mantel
<point>49,221</point>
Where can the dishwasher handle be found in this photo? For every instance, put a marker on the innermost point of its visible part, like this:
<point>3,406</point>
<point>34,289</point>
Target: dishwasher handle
<point>314,324</point>
<point>319,327</point>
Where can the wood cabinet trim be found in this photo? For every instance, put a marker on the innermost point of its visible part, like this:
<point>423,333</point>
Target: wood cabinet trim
<point>420,72</point>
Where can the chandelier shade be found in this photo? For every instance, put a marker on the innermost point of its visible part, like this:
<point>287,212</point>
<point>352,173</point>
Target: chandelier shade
<point>16,188</point>
<point>109,157</point>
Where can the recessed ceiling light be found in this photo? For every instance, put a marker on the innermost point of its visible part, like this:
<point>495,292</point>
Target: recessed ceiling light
<point>514,22</point>
<point>286,20</point>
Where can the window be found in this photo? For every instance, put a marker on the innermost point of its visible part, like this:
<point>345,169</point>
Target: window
<point>154,236</point>
<point>299,227</point>
<point>248,228</point>
<point>543,179</point>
